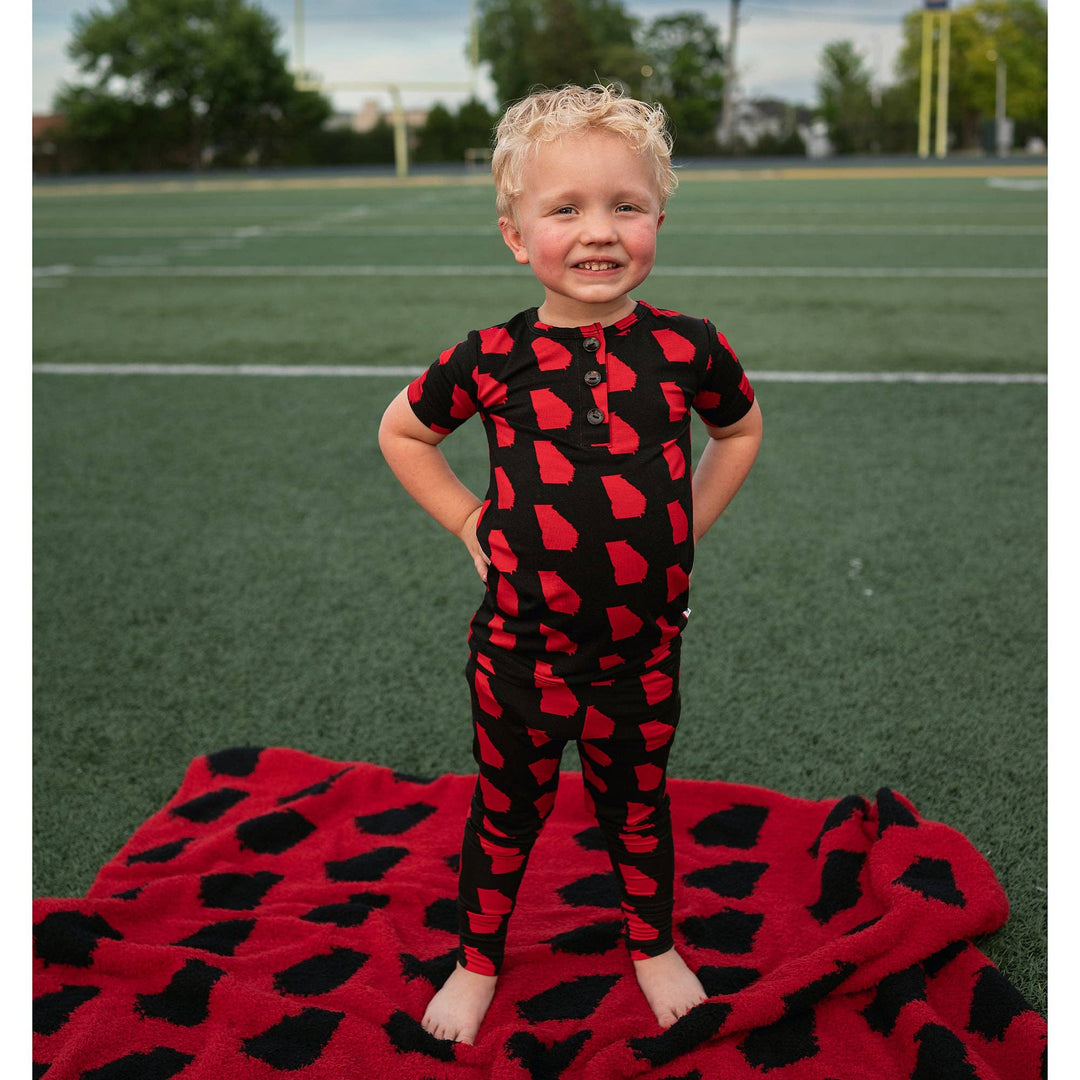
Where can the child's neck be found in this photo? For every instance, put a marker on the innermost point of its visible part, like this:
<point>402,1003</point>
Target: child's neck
<point>582,314</point>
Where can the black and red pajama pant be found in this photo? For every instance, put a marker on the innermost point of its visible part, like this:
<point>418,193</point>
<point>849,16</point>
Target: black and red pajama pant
<point>623,729</point>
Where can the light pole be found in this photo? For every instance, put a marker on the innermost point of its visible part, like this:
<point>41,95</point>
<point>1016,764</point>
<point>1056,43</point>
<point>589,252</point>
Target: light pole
<point>298,29</point>
<point>727,109</point>
<point>1002,124</point>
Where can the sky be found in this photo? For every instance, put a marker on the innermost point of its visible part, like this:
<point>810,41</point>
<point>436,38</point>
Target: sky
<point>778,43</point>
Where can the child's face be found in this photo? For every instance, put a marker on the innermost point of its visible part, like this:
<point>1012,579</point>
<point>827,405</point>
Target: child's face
<point>586,223</point>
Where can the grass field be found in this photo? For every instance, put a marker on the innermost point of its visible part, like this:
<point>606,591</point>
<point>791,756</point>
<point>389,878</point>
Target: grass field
<point>227,560</point>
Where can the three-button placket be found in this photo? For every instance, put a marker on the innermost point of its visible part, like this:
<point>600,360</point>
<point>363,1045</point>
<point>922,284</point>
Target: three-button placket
<point>594,380</point>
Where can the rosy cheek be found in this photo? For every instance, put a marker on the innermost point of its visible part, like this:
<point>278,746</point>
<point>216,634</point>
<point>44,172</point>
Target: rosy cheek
<point>549,249</point>
<point>644,242</point>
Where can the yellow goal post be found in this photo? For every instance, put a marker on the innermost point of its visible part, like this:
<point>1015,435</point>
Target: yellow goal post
<point>304,81</point>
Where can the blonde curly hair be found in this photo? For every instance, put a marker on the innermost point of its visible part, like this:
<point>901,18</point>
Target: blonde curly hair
<point>547,115</point>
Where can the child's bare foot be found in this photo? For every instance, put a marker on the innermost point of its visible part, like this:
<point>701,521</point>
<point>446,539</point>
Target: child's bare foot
<point>456,1011</point>
<point>669,986</point>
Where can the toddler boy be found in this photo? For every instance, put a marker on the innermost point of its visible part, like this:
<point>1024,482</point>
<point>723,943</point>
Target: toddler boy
<point>585,539</point>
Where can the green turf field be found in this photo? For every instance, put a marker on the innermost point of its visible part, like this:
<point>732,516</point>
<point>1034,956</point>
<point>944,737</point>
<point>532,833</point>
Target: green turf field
<point>227,560</point>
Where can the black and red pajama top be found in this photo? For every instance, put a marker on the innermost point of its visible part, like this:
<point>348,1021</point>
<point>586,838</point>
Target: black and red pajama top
<point>588,518</point>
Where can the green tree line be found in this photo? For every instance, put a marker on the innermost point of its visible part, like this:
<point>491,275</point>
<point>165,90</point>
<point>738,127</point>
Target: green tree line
<point>203,83</point>
<point>862,118</point>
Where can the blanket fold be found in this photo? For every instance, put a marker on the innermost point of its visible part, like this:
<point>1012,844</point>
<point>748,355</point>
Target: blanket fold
<point>286,915</point>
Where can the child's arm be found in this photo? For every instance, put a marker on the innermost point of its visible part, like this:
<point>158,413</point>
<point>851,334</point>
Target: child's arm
<point>724,465</point>
<point>412,452</point>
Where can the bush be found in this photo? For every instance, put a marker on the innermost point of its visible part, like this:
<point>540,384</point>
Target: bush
<point>446,137</point>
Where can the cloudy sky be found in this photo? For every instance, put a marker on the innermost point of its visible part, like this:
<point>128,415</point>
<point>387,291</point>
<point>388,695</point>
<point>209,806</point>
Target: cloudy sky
<point>778,44</point>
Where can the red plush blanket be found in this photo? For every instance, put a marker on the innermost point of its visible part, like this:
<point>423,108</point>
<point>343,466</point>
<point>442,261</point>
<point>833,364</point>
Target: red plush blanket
<point>289,916</point>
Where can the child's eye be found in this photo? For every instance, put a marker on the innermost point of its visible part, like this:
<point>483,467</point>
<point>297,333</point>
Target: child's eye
<point>565,210</point>
<point>625,207</point>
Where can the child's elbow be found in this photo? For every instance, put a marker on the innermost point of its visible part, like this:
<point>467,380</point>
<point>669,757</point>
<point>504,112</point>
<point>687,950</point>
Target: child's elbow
<point>400,429</point>
<point>756,423</point>
<point>389,427</point>
<point>750,426</point>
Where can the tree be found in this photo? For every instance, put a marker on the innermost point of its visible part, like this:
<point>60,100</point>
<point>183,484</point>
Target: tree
<point>504,31</point>
<point>534,43</point>
<point>981,32</point>
<point>845,99</point>
<point>562,48</point>
<point>475,124</point>
<point>438,137</point>
<point>545,43</point>
<point>898,119</point>
<point>203,75</point>
<point>106,133</point>
<point>343,146</point>
<point>446,137</point>
<point>688,77</point>
<point>619,56</point>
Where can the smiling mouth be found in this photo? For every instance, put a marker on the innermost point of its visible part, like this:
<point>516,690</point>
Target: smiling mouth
<point>597,264</point>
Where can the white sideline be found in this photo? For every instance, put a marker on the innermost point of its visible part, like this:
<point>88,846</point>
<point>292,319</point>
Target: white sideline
<point>366,270</point>
<point>332,230</point>
<point>347,371</point>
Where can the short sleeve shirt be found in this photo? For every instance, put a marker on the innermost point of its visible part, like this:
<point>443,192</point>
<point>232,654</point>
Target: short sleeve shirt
<point>588,516</point>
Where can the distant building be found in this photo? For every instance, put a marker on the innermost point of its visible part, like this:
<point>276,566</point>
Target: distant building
<point>768,124</point>
<point>815,137</point>
<point>46,122</point>
<point>760,117</point>
<point>46,152</point>
<point>371,112</point>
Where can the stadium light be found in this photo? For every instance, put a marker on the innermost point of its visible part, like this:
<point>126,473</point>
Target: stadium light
<point>298,48</point>
<point>401,134</point>
<point>934,11</point>
<point>727,108</point>
<point>1002,124</point>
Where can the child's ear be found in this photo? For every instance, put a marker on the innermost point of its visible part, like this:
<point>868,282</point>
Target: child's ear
<point>660,219</point>
<point>512,238</point>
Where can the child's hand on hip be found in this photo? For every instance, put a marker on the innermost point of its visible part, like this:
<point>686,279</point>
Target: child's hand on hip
<point>468,537</point>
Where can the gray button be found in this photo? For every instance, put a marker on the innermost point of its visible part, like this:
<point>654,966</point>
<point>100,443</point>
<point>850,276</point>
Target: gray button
<point>593,378</point>
<point>591,344</point>
<point>594,416</point>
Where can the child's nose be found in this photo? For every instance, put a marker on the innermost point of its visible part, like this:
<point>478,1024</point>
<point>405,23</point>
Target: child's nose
<point>598,229</point>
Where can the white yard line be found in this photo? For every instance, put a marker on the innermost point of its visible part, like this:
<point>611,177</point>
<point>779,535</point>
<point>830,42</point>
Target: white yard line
<point>365,270</point>
<point>247,232</point>
<point>347,371</point>
<point>859,230</point>
<point>963,378</point>
<point>851,271</point>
